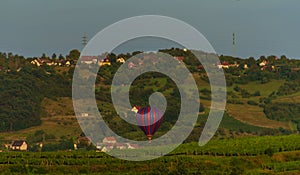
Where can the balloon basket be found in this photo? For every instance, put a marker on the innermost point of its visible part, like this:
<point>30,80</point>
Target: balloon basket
<point>149,138</point>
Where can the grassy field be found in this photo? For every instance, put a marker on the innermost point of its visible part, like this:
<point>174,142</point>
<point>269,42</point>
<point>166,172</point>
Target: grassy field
<point>249,114</point>
<point>265,89</point>
<point>254,115</point>
<point>61,106</point>
<point>58,126</point>
<point>294,98</point>
<point>57,119</point>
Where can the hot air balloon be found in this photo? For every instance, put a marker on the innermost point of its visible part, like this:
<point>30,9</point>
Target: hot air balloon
<point>149,119</point>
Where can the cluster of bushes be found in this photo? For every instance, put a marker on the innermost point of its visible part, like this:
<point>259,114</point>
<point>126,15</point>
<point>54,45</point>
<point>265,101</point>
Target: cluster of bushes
<point>251,102</point>
<point>39,136</point>
<point>244,93</point>
<point>282,111</point>
<point>235,101</point>
<point>67,144</point>
<point>289,87</point>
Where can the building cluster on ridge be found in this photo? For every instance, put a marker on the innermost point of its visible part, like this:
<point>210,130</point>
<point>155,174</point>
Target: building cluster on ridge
<point>105,61</point>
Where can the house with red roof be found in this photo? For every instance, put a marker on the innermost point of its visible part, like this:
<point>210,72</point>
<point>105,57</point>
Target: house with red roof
<point>110,140</point>
<point>226,65</point>
<point>131,65</point>
<point>88,59</point>
<point>179,58</point>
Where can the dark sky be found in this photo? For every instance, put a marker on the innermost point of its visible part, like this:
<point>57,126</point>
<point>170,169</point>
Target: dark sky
<point>262,27</point>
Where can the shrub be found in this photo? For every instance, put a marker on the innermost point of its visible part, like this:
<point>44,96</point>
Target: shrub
<point>269,152</point>
<point>251,102</point>
<point>256,93</point>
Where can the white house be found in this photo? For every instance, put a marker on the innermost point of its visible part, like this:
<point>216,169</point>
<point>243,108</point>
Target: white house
<point>121,146</point>
<point>132,146</point>
<point>104,62</point>
<point>99,145</point>
<point>88,59</point>
<point>37,62</point>
<point>263,63</point>
<point>121,60</point>
<point>68,63</point>
<point>109,140</point>
<point>20,145</point>
<point>75,146</point>
<point>226,65</point>
<point>135,109</point>
<point>104,149</point>
<point>84,114</point>
<point>107,147</point>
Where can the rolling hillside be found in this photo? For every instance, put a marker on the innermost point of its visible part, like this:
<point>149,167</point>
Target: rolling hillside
<point>252,96</point>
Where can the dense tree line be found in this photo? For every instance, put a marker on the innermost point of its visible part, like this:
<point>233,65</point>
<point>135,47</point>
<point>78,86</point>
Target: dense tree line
<point>21,93</point>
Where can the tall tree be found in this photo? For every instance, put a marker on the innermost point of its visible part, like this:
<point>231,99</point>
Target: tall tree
<point>54,56</point>
<point>61,57</point>
<point>74,54</point>
<point>44,56</point>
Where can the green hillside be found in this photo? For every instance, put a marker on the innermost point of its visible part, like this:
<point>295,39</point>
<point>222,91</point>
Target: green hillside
<point>261,100</point>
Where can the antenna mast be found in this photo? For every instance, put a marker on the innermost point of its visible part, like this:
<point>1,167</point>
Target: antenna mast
<point>84,40</point>
<point>233,45</point>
